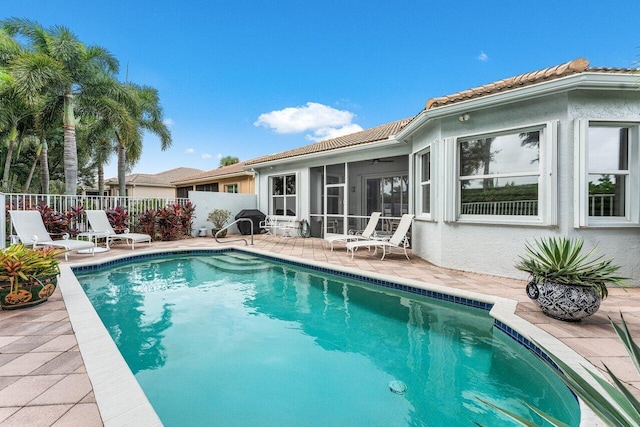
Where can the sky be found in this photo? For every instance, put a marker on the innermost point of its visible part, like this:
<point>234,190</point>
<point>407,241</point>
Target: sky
<point>247,78</point>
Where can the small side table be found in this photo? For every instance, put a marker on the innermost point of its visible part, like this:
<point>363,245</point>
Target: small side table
<point>91,235</point>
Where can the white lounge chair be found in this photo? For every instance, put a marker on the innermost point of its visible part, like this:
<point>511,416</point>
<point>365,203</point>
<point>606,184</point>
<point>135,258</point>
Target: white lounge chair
<point>397,240</point>
<point>366,234</point>
<point>30,229</point>
<point>100,224</point>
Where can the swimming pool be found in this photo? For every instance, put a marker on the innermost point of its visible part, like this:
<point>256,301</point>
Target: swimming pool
<point>283,344</point>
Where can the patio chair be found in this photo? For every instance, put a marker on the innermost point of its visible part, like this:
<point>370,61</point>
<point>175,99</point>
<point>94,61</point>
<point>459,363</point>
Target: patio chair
<point>99,223</point>
<point>269,225</point>
<point>366,234</point>
<point>397,240</point>
<point>30,229</point>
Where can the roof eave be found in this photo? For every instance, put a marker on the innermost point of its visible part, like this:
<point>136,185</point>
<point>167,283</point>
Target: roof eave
<point>243,173</point>
<point>586,80</point>
<point>391,140</point>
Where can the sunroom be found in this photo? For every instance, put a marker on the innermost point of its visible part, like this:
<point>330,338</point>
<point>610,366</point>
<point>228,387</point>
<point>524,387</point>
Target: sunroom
<point>337,184</point>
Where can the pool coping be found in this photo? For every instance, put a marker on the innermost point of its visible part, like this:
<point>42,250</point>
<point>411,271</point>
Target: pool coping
<point>121,401</point>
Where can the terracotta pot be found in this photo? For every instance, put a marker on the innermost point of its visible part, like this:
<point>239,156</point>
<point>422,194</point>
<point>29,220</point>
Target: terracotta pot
<point>29,294</point>
<point>564,302</point>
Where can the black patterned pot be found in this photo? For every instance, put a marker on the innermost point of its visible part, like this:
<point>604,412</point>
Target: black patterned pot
<point>564,302</point>
<point>29,294</point>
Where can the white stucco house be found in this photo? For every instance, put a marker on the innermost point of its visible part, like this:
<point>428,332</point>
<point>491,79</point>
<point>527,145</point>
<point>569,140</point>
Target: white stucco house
<point>554,152</point>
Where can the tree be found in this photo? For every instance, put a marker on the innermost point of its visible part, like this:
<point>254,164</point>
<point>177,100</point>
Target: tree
<point>58,63</point>
<point>228,161</point>
<point>147,115</point>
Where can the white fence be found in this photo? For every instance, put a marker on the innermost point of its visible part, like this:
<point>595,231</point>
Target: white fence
<point>516,207</point>
<point>63,203</point>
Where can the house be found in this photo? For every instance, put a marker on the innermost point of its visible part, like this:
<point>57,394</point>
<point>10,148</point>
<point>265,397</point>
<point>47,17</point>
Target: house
<point>151,185</point>
<point>228,179</point>
<point>554,152</point>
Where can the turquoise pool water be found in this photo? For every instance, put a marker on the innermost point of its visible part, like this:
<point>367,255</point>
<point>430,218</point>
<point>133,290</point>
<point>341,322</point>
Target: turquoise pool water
<point>231,339</point>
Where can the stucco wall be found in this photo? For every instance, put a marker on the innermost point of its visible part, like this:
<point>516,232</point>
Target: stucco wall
<point>493,249</point>
<point>207,201</point>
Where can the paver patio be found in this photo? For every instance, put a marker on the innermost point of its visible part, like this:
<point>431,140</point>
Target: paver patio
<point>43,380</point>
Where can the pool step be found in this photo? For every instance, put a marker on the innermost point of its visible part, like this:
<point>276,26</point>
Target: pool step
<point>231,264</point>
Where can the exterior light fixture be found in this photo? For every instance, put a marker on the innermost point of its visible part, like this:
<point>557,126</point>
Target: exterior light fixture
<point>464,118</point>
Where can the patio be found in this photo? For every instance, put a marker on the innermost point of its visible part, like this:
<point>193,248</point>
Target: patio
<point>43,380</point>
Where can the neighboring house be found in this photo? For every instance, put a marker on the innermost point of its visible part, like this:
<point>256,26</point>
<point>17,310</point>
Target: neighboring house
<point>151,185</point>
<point>555,152</point>
<point>226,179</point>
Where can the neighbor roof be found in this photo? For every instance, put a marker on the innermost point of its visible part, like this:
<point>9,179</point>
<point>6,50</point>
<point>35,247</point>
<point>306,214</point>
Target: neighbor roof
<point>162,179</point>
<point>378,133</point>
<point>577,66</point>
<point>222,172</point>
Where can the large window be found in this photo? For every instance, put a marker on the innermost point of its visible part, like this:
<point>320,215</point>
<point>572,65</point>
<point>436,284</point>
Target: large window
<point>499,174</point>
<point>283,195</point>
<point>608,182</point>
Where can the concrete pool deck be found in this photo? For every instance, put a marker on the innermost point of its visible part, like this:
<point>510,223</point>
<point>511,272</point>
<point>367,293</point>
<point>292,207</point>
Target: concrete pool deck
<point>43,374</point>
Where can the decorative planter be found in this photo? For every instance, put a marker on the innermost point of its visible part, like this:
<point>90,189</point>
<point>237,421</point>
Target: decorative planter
<point>29,294</point>
<point>564,302</point>
<point>215,230</point>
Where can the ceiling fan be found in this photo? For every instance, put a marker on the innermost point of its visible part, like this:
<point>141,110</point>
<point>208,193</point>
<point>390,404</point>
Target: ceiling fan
<point>381,161</point>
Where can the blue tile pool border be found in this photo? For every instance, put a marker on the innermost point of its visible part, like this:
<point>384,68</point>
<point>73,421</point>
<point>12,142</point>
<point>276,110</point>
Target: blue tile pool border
<point>369,280</point>
<point>468,302</point>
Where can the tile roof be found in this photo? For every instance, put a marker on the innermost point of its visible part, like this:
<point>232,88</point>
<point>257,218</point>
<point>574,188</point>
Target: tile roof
<point>159,179</point>
<point>236,168</point>
<point>378,133</point>
<point>577,66</point>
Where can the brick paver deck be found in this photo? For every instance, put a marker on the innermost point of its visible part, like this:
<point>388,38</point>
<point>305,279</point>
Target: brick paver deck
<point>43,380</point>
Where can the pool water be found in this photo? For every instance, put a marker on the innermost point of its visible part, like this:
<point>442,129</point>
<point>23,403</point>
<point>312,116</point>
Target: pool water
<point>232,339</point>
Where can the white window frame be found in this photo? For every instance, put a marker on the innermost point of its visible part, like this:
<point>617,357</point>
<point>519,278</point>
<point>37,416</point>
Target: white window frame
<point>547,178</point>
<point>296,202</point>
<point>581,180</point>
<point>419,187</point>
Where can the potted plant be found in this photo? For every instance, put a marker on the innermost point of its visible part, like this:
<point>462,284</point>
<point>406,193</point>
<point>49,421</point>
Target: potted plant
<point>27,276</point>
<point>219,218</point>
<point>566,283</point>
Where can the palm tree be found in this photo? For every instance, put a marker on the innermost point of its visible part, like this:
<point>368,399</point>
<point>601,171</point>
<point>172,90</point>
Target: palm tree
<point>228,161</point>
<point>59,63</point>
<point>148,116</point>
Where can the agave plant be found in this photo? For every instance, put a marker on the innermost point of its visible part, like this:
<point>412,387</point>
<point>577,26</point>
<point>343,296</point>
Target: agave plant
<point>562,261</point>
<point>615,404</point>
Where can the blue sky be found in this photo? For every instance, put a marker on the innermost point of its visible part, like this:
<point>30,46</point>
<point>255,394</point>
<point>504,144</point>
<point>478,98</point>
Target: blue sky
<point>249,78</point>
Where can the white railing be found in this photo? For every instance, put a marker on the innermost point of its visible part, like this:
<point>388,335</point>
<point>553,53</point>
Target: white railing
<point>63,203</point>
<point>602,204</point>
<point>514,207</point>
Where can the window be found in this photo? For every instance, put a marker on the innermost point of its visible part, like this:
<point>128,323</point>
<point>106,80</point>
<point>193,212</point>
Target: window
<point>507,177</point>
<point>231,188</point>
<point>499,174</point>
<point>283,195</point>
<point>183,192</point>
<point>425,183</point>
<point>207,187</point>
<point>607,154</point>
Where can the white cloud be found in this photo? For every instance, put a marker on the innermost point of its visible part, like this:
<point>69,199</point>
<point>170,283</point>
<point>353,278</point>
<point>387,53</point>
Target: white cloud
<point>329,133</point>
<point>206,156</point>
<point>168,122</point>
<point>189,151</point>
<point>483,56</point>
<point>219,156</point>
<point>323,121</point>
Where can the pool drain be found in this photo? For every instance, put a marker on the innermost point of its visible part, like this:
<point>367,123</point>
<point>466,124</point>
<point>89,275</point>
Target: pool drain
<point>397,387</point>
